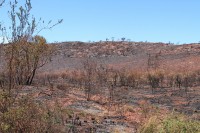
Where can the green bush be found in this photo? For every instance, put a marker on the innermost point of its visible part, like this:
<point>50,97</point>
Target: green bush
<point>170,124</point>
<point>174,124</point>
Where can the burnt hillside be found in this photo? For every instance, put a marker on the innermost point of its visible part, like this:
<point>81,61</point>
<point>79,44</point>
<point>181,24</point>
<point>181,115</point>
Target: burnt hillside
<point>124,54</point>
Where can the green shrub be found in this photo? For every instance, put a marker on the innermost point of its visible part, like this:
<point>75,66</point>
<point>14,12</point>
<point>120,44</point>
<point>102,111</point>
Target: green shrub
<point>172,123</point>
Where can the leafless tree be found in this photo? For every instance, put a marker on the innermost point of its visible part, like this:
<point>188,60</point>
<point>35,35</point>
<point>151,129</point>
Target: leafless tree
<point>89,77</point>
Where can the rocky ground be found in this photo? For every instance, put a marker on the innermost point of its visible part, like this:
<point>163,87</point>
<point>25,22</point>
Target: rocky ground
<point>124,116</point>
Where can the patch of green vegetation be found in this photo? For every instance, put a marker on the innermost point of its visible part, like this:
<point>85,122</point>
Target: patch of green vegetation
<point>173,123</point>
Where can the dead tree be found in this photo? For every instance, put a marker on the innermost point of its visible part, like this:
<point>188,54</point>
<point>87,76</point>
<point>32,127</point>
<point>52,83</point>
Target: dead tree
<point>89,76</point>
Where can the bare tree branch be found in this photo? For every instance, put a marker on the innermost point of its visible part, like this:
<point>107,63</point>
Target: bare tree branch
<point>1,3</point>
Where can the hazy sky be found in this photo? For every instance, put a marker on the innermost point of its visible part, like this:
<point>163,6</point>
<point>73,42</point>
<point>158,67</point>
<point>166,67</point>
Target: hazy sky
<point>177,21</point>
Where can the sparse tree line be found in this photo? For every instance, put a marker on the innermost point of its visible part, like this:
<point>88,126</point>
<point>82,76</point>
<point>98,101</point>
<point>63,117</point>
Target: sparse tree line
<point>102,75</point>
<point>112,85</point>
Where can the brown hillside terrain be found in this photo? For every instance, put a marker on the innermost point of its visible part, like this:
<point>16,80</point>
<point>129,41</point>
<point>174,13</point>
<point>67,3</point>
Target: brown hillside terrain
<point>132,55</point>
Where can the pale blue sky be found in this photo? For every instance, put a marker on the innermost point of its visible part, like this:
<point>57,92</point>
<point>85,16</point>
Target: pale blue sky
<point>177,21</point>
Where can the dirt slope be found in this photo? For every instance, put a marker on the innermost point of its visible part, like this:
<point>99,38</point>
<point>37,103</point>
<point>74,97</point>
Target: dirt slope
<point>134,55</point>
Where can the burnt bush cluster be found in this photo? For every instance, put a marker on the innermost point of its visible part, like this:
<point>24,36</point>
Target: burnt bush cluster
<point>96,78</point>
<point>23,115</point>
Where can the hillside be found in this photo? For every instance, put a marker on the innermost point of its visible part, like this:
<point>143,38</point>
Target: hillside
<point>132,55</point>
